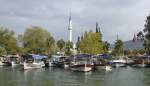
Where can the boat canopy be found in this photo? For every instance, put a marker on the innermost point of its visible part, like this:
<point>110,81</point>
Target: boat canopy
<point>80,56</point>
<point>38,56</point>
<point>102,56</point>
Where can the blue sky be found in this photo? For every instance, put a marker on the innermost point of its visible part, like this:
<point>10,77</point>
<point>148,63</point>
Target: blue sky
<point>122,17</point>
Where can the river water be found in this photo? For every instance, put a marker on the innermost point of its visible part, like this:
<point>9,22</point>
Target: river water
<point>60,77</point>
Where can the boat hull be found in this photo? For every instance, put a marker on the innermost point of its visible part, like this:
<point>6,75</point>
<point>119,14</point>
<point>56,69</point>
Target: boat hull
<point>117,64</point>
<point>102,67</point>
<point>139,65</point>
<point>5,63</point>
<point>33,65</point>
<point>82,67</point>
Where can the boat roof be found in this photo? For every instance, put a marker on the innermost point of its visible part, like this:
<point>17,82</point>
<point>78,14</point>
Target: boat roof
<point>36,56</point>
<point>102,56</point>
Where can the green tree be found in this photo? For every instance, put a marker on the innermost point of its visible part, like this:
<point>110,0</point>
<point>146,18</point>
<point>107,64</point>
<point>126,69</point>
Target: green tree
<point>91,43</point>
<point>106,46</point>
<point>37,40</point>
<point>8,40</point>
<point>2,51</point>
<point>68,48</point>
<point>77,44</point>
<point>147,35</point>
<point>140,35</point>
<point>61,44</point>
<point>118,49</point>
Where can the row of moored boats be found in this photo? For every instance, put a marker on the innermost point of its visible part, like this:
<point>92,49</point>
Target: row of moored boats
<point>79,62</point>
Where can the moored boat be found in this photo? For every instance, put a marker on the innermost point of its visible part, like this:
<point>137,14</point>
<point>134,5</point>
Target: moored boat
<point>34,61</point>
<point>119,62</point>
<point>82,67</point>
<point>101,62</point>
<point>81,63</point>
<point>140,62</point>
<point>15,60</point>
<point>4,61</point>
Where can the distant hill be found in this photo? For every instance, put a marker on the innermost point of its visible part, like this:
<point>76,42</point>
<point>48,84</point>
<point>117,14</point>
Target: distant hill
<point>131,45</point>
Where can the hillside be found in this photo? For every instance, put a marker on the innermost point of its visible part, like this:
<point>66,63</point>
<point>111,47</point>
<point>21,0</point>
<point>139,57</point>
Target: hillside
<point>131,45</point>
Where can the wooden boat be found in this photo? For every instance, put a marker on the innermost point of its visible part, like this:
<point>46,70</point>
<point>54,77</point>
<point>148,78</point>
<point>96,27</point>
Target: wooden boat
<point>81,62</point>
<point>100,62</point>
<point>34,61</point>
<point>81,67</point>
<point>5,63</point>
<point>102,67</point>
<point>140,62</point>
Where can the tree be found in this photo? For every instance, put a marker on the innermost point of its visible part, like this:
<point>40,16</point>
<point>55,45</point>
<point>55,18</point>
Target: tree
<point>61,44</point>
<point>37,40</point>
<point>50,45</point>
<point>91,43</point>
<point>77,44</point>
<point>97,27</point>
<point>2,51</point>
<point>106,46</point>
<point>147,35</point>
<point>140,35</point>
<point>118,49</point>
<point>8,40</point>
<point>68,48</point>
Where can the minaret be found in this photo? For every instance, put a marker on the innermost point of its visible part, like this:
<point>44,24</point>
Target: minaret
<point>70,29</point>
<point>134,38</point>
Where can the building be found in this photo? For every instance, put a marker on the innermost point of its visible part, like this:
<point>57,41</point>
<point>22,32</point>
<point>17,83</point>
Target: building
<point>70,29</point>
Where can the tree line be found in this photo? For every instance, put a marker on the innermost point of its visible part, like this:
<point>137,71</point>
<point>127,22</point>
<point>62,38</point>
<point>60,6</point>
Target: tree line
<point>34,40</point>
<point>38,40</point>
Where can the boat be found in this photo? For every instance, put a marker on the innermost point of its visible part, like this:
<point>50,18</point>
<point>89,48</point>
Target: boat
<point>140,62</point>
<point>4,61</point>
<point>53,61</point>
<point>82,64</point>
<point>81,67</point>
<point>119,62</point>
<point>100,62</point>
<point>34,61</point>
<point>15,60</point>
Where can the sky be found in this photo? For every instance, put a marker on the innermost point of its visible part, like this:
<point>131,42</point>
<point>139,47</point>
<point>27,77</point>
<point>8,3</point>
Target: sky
<point>115,17</point>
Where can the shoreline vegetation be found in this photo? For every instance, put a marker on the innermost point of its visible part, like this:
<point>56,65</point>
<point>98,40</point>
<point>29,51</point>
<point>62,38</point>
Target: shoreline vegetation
<point>37,40</point>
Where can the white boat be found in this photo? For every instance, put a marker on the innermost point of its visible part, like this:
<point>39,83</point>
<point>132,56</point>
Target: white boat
<point>13,63</point>
<point>119,62</point>
<point>35,63</point>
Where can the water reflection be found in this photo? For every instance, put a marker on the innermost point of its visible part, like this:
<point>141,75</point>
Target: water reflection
<point>59,77</point>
